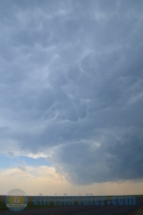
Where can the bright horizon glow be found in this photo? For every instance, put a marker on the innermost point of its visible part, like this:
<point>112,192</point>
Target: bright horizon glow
<point>46,181</point>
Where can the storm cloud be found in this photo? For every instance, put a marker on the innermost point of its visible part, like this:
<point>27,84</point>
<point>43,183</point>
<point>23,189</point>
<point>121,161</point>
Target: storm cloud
<point>71,86</point>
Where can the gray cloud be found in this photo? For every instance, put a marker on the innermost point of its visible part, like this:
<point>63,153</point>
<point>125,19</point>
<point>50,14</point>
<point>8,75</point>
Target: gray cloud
<point>22,168</point>
<point>10,154</point>
<point>71,82</point>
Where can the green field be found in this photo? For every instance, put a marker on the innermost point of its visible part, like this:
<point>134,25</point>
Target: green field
<point>32,206</point>
<point>29,206</point>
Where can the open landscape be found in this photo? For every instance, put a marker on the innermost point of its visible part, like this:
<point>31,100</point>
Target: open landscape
<point>78,209</point>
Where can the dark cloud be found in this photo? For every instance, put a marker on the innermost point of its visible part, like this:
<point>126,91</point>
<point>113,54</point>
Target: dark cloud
<point>71,84</point>
<point>10,154</point>
<point>22,168</point>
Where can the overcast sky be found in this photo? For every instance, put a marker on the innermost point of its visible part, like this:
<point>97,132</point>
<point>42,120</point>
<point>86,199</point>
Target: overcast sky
<point>71,90</point>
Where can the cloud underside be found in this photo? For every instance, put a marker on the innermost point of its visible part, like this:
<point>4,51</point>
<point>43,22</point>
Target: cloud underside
<point>71,86</point>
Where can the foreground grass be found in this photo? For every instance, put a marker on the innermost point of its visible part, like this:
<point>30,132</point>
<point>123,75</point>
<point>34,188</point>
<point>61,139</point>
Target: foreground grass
<point>32,206</point>
<point>3,206</point>
<point>139,211</point>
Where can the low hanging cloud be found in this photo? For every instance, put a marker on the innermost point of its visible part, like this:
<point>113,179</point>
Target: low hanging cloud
<point>71,86</point>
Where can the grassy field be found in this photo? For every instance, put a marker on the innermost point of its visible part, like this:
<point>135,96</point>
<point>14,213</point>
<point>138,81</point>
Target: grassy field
<point>139,211</point>
<point>32,206</point>
<point>29,206</point>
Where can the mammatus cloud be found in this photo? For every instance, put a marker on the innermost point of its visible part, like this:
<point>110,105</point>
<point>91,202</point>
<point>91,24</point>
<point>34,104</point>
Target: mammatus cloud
<point>71,86</point>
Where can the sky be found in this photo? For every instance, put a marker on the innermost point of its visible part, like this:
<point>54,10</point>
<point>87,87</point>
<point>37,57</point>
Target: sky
<point>71,96</point>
